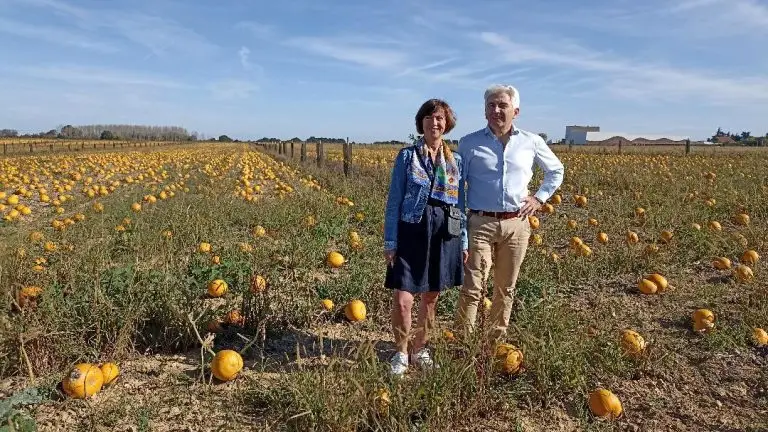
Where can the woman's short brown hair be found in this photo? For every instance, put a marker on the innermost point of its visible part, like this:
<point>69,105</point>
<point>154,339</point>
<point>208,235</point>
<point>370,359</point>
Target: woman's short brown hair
<point>428,108</point>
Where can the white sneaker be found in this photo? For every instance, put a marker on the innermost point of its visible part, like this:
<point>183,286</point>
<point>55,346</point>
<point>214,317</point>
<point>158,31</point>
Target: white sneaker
<point>423,359</point>
<point>399,364</point>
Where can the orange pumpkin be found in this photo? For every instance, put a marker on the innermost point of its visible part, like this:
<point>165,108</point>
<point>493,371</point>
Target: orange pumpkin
<point>632,342</point>
<point>217,288</point>
<point>82,381</point>
<point>603,403</point>
<point>750,257</point>
<point>647,287</point>
<point>258,284</point>
<point>760,337</point>
<point>509,358</point>
<point>110,371</point>
<point>335,259</point>
<point>226,364</point>
<point>533,221</point>
<point>355,310</point>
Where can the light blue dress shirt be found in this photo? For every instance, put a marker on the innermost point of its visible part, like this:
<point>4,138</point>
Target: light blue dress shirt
<point>498,176</point>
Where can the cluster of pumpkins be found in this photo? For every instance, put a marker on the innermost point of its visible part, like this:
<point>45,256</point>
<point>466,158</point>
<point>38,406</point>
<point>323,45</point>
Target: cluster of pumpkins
<point>87,379</point>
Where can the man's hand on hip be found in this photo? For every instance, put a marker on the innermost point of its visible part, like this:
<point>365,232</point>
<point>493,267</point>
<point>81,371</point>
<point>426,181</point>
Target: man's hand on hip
<point>531,205</point>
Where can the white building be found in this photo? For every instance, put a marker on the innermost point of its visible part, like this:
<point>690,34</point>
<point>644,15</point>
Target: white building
<point>578,134</point>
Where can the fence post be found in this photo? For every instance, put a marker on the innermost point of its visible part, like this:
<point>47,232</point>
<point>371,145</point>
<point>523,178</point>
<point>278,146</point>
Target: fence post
<point>30,148</point>
<point>5,148</point>
<point>620,141</point>
<point>303,156</point>
<point>347,157</point>
<point>319,148</point>
<point>687,146</point>
<point>570,145</point>
<point>291,149</point>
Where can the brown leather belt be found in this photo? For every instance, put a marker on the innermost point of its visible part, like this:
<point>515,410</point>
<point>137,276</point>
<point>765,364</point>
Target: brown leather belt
<point>497,215</point>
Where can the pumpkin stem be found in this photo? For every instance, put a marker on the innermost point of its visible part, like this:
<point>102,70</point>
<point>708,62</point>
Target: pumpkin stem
<point>197,333</point>
<point>26,358</point>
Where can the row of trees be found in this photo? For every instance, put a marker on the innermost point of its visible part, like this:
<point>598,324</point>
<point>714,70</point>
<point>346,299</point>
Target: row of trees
<point>745,137</point>
<point>137,132</point>
<point>110,132</point>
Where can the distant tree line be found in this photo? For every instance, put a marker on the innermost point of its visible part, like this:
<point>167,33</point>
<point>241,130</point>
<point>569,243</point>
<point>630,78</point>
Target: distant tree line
<point>8,133</point>
<point>743,138</point>
<point>130,132</point>
<point>110,132</point>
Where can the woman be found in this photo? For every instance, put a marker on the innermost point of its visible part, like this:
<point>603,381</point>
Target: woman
<point>425,237</point>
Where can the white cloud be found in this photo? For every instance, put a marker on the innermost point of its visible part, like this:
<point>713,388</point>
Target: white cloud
<point>259,30</point>
<point>639,79</point>
<point>53,35</point>
<point>160,36</point>
<point>731,15</point>
<point>94,75</point>
<point>343,50</point>
<point>243,54</point>
<point>233,89</point>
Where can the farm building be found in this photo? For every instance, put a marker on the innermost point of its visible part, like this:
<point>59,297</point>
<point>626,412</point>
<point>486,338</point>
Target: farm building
<point>578,134</point>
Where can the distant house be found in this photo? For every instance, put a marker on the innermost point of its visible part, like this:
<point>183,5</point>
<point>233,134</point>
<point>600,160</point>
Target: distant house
<point>724,139</point>
<point>578,134</point>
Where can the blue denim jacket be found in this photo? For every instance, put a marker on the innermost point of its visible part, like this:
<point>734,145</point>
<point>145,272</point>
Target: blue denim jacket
<point>407,199</point>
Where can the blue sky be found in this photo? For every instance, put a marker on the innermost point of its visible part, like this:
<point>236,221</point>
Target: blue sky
<point>349,68</point>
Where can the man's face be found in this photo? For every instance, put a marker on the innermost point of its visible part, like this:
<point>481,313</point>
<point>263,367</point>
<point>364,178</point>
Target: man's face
<point>499,112</point>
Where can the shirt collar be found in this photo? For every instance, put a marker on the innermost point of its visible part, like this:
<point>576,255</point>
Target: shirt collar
<point>515,131</point>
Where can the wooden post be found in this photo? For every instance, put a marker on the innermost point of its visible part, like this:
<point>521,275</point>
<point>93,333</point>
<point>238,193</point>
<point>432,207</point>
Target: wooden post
<point>620,140</point>
<point>30,148</point>
<point>687,146</point>
<point>5,148</point>
<point>319,148</point>
<point>50,146</point>
<point>303,156</point>
<point>347,157</point>
<point>570,146</point>
<point>69,146</point>
<point>291,149</point>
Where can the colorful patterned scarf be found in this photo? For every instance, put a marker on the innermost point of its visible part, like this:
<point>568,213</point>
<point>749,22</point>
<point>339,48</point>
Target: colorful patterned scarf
<point>446,184</point>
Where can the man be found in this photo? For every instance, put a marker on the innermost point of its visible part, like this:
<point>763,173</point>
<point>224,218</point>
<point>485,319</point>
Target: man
<point>498,165</point>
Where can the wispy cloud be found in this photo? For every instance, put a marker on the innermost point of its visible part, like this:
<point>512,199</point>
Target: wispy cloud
<point>734,15</point>
<point>161,36</point>
<point>426,67</point>
<point>631,79</point>
<point>94,75</point>
<point>683,6</point>
<point>259,30</point>
<point>244,53</point>
<point>232,89</point>
<point>350,52</point>
<point>53,35</point>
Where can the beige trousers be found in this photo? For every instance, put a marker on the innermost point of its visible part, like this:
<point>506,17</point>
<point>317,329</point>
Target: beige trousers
<point>497,243</point>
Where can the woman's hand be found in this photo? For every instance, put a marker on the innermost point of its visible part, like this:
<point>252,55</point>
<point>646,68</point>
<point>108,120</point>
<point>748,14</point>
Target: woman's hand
<point>389,255</point>
<point>465,256</point>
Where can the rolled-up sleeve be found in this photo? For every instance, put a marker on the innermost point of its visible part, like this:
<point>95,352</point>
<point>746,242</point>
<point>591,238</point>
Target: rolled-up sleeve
<point>553,169</point>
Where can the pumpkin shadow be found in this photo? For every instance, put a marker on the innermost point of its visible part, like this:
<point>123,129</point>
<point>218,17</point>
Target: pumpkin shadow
<point>682,323</point>
<point>298,350</point>
<point>719,279</point>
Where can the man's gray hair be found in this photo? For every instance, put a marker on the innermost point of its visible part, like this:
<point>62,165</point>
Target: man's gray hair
<point>495,89</point>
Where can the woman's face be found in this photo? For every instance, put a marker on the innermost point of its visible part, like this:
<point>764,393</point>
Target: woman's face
<point>434,125</point>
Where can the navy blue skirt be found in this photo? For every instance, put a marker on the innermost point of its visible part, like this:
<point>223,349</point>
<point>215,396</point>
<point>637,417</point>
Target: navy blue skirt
<point>427,258</point>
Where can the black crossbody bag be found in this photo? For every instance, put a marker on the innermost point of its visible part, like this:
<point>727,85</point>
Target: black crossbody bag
<point>452,224</point>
